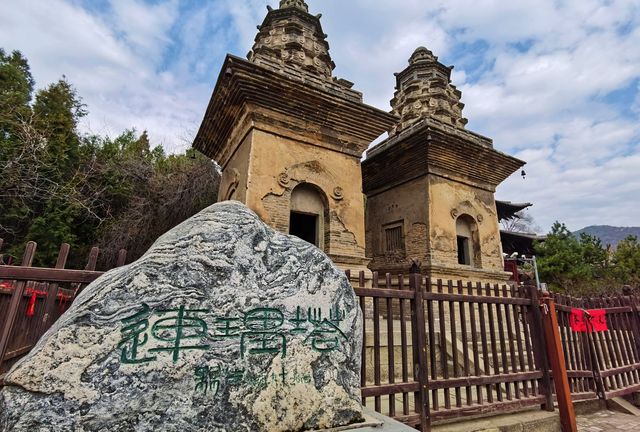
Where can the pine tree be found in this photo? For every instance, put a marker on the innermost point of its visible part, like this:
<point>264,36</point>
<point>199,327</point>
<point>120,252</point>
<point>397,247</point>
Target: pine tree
<point>626,261</point>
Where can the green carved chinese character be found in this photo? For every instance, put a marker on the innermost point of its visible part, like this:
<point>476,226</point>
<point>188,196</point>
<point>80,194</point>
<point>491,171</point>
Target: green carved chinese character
<point>299,378</point>
<point>235,376</point>
<point>134,336</point>
<point>256,382</point>
<point>281,377</point>
<point>263,337</point>
<point>263,319</point>
<point>325,336</point>
<point>336,316</point>
<point>208,379</point>
<point>179,327</point>
<point>298,321</point>
<point>227,329</point>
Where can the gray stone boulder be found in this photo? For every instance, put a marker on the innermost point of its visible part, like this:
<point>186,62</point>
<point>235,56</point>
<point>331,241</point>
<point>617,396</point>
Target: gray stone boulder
<point>223,325</point>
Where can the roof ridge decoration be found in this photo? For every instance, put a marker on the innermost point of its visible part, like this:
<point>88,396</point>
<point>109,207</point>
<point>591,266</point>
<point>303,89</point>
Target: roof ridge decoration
<point>422,55</point>
<point>291,36</point>
<point>300,4</point>
<point>424,90</point>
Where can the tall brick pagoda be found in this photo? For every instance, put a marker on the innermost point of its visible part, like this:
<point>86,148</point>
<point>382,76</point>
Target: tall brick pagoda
<point>430,186</point>
<point>289,136</point>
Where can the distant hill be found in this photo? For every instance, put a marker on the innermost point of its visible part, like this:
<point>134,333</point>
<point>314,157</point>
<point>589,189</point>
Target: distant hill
<point>610,234</point>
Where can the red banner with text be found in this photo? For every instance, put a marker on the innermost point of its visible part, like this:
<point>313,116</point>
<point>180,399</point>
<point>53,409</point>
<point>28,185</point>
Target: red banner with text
<point>592,320</point>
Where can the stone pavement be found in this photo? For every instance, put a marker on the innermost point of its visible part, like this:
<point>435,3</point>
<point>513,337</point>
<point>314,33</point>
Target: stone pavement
<point>602,421</point>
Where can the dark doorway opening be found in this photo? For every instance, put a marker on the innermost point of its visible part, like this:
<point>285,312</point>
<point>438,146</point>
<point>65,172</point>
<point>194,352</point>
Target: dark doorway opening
<point>304,226</point>
<point>464,257</point>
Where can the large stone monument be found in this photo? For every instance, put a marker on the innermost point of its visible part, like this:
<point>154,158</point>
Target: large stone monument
<point>223,325</point>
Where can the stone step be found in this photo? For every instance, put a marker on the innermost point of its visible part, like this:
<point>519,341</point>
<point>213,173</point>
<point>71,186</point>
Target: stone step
<point>623,406</point>
<point>538,421</point>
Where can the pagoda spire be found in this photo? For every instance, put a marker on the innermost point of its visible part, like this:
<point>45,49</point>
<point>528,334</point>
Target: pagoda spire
<point>300,4</point>
<point>290,37</point>
<point>423,90</point>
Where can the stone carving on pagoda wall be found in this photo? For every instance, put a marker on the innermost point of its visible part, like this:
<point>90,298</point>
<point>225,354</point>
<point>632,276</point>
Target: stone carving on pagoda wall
<point>280,166</point>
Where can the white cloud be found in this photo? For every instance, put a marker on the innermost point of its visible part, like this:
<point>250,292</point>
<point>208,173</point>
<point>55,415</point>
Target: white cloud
<point>635,107</point>
<point>113,61</point>
<point>602,140</point>
<point>544,103</point>
<point>245,16</point>
<point>58,37</point>
<point>582,195</point>
<point>535,75</point>
<point>144,27</point>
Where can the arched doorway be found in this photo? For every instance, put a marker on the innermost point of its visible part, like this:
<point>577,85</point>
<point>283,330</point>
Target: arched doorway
<point>468,241</point>
<point>307,214</point>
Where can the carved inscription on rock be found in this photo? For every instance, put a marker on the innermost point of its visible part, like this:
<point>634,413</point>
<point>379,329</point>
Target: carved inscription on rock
<point>223,325</point>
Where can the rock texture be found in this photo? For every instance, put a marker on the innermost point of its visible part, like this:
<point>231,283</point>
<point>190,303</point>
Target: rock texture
<point>223,325</point>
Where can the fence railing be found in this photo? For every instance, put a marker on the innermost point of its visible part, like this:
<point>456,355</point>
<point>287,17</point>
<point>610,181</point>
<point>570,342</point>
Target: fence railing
<point>606,363</point>
<point>436,350</point>
<point>432,350</point>
<point>32,299</point>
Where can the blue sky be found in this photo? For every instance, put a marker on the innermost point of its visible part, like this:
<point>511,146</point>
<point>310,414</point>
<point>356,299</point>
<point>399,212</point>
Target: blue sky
<point>554,82</point>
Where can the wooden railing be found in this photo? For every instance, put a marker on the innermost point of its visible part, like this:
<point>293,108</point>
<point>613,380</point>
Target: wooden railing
<point>436,350</point>
<point>604,363</point>
<point>32,299</point>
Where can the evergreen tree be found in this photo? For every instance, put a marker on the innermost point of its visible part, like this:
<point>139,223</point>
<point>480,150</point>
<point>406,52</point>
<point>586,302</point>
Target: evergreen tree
<point>560,259</point>
<point>57,111</point>
<point>16,90</point>
<point>16,86</point>
<point>583,266</point>
<point>626,261</point>
<point>60,186</point>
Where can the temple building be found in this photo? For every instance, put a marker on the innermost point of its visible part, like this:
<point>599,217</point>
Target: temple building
<point>290,137</point>
<point>436,206</point>
<point>516,242</point>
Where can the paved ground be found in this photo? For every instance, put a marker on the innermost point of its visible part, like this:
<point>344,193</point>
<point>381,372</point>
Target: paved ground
<point>602,421</point>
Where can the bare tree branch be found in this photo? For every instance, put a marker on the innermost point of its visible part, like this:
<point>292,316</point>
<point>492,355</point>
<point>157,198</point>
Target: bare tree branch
<point>521,222</point>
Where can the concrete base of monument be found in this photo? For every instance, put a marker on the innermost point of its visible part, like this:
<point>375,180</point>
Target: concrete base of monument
<point>373,422</point>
